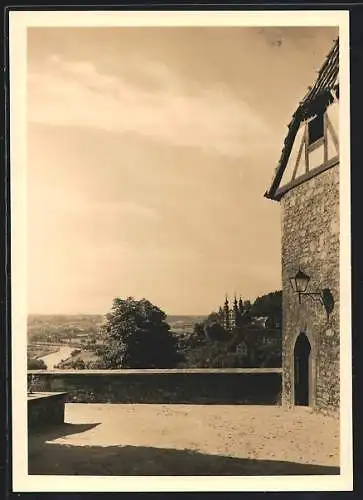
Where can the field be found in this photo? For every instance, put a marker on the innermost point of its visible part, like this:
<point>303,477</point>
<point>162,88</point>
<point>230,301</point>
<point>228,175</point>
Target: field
<point>55,327</point>
<point>84,355</point>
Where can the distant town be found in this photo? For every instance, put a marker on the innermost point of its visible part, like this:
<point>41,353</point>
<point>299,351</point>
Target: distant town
<point>238,334</point>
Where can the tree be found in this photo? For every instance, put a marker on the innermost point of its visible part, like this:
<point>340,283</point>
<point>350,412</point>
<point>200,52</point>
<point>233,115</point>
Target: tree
<point>269,305</point>
<point>36,364</point>
<point>198,336</point>
<point>247,305</point>
<point>212,318</point>
<point>215,331</point>
<point>136,335</point>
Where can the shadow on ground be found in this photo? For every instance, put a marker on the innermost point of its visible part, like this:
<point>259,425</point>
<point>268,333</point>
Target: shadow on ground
<point>55,458</point>
<point>58,431</point>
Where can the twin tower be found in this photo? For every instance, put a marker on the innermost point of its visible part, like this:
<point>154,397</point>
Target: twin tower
<point>232,316</point>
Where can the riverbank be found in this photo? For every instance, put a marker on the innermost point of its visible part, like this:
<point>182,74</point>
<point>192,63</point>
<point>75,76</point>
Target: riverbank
<point>35,351</point>
<point>54,358</point>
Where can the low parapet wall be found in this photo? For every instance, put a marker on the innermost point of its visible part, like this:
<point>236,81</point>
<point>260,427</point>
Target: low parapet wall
<point>193,386</point>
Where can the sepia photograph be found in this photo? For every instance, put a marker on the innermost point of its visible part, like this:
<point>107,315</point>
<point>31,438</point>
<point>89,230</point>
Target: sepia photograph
<point>180,251</point>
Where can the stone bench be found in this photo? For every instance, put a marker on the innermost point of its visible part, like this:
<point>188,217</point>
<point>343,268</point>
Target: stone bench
<point>46,408</point>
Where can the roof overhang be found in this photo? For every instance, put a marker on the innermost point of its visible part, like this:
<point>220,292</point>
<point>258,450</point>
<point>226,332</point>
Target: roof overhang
<point>319,97</point>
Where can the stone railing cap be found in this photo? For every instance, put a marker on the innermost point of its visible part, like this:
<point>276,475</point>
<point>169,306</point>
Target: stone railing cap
<point>158,371</point>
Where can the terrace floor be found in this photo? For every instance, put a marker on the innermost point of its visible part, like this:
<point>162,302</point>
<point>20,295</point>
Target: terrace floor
<point>136,439</point>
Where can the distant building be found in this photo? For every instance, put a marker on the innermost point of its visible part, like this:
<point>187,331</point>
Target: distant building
<point>239,315</point>
<point>252,338</point>
<point>232,316</point>
<point>266,322</point>
<point>306,182</point>
<point>242,349</point>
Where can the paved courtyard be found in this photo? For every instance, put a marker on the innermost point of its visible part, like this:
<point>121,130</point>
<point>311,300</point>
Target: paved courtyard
<point>136,439</point>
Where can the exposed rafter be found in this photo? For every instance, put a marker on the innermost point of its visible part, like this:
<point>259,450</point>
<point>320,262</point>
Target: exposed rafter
<point>315,101</point>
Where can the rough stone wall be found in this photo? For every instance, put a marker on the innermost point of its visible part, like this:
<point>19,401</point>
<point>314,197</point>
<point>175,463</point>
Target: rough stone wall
<point>310,239</point>
<point>234,386</point>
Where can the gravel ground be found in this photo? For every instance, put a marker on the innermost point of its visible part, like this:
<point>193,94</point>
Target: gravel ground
<point>118,439</point>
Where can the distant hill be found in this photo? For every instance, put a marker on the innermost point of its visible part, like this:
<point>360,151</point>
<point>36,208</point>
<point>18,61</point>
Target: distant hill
<point>64,318</point>
<point>68,325</point>
<point>186,318</point>
<point>57,326</point>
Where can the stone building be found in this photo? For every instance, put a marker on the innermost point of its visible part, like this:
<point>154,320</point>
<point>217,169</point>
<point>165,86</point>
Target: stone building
<point>306,183</point>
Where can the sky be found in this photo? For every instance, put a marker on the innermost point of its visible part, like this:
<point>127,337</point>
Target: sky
<point>149,152</point>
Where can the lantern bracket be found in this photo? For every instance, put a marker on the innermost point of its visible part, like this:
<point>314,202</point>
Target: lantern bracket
<point>316,296</point>
<point>299,283</point>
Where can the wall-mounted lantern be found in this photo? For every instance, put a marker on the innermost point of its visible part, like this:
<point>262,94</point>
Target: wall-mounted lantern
<point>299,283</point>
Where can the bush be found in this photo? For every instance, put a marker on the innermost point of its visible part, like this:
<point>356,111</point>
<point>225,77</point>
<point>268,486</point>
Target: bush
<point>94,365</point>
<point>213,355</point>
<point>79,364</point>
<point>36,364</point>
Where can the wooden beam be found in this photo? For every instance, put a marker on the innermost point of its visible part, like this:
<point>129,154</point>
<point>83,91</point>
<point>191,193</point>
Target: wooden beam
<point>306,135</point>
<point>303,178</point>
<point>325,138</point>
<point>298,158</point>
<point>315,145</point>
<point>333,133</point>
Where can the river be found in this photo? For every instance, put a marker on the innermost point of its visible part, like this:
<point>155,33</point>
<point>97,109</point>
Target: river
<point>56,357</point>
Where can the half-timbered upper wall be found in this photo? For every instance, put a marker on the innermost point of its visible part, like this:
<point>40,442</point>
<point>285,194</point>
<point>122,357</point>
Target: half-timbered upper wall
<point>316,144</point>
<point>312,142</point>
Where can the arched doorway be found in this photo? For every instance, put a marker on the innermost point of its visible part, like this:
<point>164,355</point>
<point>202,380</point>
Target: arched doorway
<point>302,370</point>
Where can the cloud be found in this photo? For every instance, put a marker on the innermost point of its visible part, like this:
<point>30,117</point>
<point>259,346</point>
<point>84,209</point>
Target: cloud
<point>73,203</point>
<point>76,94</point>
